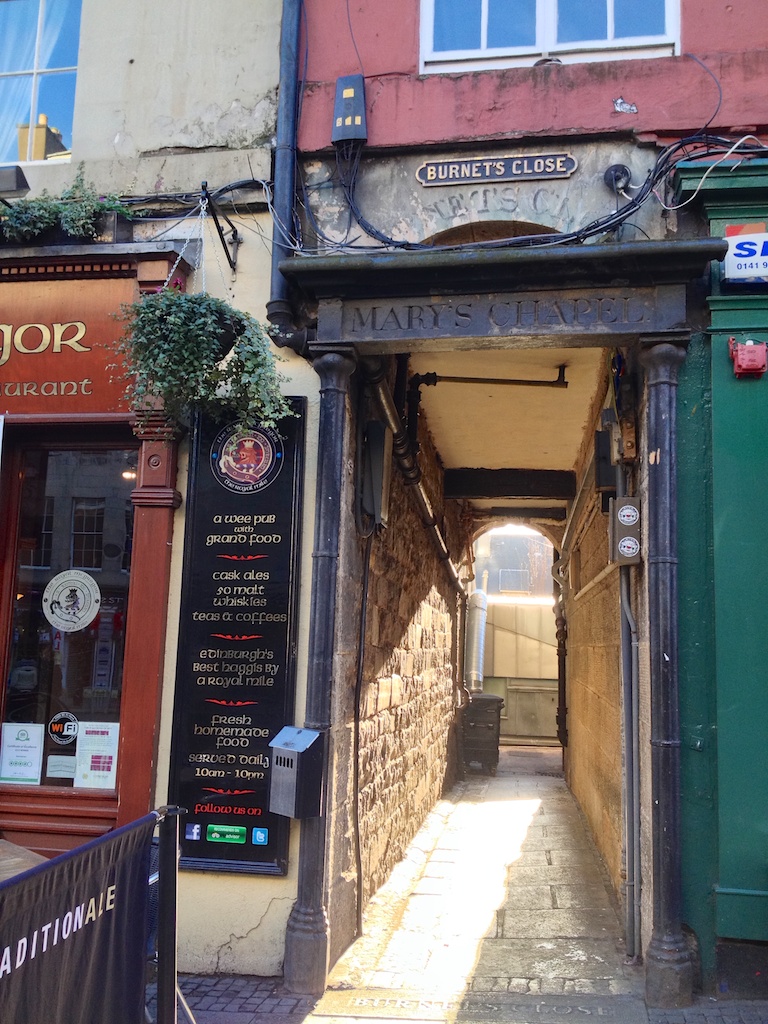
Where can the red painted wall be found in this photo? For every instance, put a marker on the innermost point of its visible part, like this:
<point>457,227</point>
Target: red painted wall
<point>673,95</point>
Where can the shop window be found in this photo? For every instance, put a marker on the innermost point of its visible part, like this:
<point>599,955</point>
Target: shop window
<point>38,70</point>
<point>471,34</point>
<point>63,687</point>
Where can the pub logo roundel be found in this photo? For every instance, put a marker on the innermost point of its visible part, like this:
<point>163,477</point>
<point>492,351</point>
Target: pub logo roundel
<point>71,600</point>
<point>246,459</point>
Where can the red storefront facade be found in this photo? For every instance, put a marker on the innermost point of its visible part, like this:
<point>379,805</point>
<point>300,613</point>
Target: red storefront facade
<point>87,513</point>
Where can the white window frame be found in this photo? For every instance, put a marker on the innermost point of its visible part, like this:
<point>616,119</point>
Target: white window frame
<point>488,58</point>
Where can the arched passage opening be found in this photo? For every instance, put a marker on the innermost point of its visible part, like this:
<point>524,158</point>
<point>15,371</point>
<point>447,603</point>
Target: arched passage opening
<point>513,568</point>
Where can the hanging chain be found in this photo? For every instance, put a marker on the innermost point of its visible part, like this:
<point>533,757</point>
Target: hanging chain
<point>179,258</point>
<point>199,266</point>
<point>200,263</point>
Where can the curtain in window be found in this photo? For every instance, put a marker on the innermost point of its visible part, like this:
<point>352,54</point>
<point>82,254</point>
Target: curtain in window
<point>36,37</point>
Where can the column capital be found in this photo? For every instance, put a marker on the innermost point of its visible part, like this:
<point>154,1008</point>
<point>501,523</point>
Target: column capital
<point>664,349</point>
<point>334,367</point>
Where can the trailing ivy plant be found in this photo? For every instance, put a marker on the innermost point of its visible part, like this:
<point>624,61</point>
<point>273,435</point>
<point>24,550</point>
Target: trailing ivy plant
<point>27,218</point>
<point>193,352</point>
<point>81,208</point>
<point>77,211</point>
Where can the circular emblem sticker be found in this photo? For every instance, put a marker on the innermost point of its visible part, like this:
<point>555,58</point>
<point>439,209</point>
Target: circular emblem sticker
<point>629,546</point>
<point>71,600</point>
<point>63,728</point>
<point>246,460</point>
<point>628,515</point>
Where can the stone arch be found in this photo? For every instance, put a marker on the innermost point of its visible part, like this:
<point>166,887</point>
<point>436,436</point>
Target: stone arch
<point>487,231</point>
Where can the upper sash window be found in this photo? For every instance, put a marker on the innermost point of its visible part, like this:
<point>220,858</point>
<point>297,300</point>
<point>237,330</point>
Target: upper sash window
<point>473,34</point>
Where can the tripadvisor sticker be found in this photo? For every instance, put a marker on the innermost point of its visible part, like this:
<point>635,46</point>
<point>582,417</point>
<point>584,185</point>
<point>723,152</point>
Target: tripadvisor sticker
<point>63,727</point>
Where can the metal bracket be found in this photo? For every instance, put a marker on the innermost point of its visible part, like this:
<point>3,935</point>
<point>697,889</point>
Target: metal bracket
<point>235,238</point>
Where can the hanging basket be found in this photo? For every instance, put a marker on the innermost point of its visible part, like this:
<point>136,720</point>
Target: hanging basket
<point>194,352</point>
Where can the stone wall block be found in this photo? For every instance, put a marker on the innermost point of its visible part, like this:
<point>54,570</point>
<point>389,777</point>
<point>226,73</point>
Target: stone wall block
<point>385,692</point>
<point>369,700</point>
<point>396,690</point>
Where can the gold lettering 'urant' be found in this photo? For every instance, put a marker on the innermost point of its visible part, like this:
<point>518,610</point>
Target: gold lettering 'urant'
<point>46,388</point>
<point>32,339</point>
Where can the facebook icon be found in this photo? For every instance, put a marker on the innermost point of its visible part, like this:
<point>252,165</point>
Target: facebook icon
<point>193,831</point>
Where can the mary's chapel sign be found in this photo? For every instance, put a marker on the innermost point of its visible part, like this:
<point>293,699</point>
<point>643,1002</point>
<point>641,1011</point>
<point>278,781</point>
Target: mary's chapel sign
<point>556,316</point>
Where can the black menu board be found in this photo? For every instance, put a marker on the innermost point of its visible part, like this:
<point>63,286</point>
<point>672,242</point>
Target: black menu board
<point>235,677</point>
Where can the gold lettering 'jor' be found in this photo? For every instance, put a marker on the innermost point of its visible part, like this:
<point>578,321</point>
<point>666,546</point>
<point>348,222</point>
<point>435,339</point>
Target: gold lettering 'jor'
<point>32,339</point>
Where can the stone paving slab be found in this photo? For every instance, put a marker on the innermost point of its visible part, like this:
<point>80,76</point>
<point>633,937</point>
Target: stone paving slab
<point>552,958</point>
<point>252,1000</point>
<point>583,922</point>
<point>551,874</point>
<point>554,1009</point>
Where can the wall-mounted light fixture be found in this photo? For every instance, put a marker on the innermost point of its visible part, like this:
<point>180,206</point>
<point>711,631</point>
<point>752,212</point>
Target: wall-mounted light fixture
<point>13,184</point>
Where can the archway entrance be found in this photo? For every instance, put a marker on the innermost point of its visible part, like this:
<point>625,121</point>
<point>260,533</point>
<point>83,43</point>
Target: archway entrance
<point>465,332</point>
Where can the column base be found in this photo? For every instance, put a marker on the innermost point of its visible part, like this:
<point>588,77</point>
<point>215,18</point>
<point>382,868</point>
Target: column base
<point>305,970</point>
<point>669,974</point>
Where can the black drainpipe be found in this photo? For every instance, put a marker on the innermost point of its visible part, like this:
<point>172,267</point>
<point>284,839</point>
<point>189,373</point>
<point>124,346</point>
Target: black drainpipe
<point>669,966</point>
<point>307,937</point>
<point>307,934</point>
<point>279,310</point>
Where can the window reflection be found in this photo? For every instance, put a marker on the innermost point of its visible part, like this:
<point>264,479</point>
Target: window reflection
<point>38,63</point>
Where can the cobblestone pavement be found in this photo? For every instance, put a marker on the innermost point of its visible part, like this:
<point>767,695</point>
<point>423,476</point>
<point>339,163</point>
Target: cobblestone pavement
<point>501,911</point>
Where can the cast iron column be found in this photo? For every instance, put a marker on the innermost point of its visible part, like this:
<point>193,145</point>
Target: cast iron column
<point>669,967</point>
<point>307,935</point>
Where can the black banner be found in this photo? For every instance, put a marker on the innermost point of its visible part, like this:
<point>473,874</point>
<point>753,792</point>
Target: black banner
<point>73,934</point>
<point>236,663</point>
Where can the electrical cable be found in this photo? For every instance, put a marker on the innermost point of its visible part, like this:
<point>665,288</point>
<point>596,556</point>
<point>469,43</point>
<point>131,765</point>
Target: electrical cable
<point>354,41</point>
<point>364,529</point>
<point>698,146</point>
<point>716,80</point>
<point>706,174</point>
<point>356,732</point>
<point>345,174</point>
